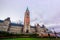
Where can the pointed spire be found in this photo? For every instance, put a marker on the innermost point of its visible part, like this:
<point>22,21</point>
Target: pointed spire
<point>27,9</point>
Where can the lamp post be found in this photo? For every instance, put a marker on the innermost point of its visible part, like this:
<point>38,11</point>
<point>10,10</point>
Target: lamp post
<point>49,34</point>
<point>55,33</point>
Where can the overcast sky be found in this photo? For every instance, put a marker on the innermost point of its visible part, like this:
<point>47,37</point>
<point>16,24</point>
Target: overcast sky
<point>41,11</point>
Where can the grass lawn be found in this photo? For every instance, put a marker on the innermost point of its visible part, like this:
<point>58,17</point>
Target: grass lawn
<point>29,39</point>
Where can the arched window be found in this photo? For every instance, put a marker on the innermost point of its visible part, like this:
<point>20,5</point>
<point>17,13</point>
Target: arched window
<point>27,31</point>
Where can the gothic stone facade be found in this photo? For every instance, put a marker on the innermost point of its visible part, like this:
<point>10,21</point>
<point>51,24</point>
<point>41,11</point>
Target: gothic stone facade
<point>6,25</point>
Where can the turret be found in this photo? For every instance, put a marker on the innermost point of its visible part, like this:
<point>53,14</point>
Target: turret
<point>7,24</point>
<point>7,21</point>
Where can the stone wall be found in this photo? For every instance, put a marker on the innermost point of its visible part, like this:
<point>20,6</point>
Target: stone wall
<point>3,28</point>
<point>32,30</point>
<point>15,29</point>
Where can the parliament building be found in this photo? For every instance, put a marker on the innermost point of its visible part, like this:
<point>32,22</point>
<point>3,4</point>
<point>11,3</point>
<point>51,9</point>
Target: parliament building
<point>7,26</point>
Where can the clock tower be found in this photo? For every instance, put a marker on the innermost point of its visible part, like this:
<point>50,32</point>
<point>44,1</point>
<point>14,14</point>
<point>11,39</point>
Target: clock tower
<point>27,21</point>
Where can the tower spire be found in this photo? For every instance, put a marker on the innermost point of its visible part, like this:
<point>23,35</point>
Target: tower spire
<point>27,9</point>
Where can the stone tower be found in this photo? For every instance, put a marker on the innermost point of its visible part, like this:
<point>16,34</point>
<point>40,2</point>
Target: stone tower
<point>26,28</point>
<point>7,23</point>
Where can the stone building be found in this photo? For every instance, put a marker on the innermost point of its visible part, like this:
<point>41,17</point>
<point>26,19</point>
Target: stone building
<point>7,26</point>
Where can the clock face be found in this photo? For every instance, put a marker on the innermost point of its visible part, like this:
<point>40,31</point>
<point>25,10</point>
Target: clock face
<point>27,13</point>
